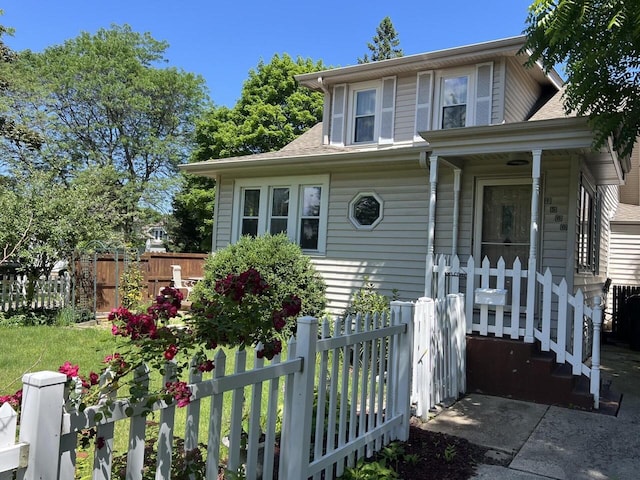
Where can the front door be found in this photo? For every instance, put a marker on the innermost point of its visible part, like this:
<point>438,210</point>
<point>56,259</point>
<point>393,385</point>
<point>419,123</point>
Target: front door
<point>503,217</point>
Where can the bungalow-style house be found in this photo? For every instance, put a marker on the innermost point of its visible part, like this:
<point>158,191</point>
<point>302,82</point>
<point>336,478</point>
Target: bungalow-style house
<point>424,162</point>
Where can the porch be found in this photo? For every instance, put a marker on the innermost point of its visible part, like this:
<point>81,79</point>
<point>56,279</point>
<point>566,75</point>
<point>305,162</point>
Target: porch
<point>521,316</point>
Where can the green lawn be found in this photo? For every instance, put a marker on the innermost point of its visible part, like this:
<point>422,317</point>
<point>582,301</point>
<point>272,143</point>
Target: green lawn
<point>33,349</point>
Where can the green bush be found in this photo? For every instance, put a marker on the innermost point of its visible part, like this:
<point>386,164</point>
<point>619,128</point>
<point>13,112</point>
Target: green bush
<point>281,263</point>
<point>367,300</point>
<point>131,285</point>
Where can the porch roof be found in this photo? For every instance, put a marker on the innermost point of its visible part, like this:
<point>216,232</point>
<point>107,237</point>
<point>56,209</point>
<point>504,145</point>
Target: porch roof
<point>561,136</point>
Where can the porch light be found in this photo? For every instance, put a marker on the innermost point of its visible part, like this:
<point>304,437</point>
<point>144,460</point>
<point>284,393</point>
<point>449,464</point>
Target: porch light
<point>518,162</point>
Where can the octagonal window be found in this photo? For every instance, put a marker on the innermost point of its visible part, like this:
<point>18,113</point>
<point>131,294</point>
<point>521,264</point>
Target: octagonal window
<point>365,210</point>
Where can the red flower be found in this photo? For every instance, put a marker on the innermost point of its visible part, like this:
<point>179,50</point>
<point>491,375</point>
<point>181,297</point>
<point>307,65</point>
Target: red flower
<point>180,392</point>
<point>69,370</point>
<point>206,366</point>
<point>94,378</point>
<point>170,352</point>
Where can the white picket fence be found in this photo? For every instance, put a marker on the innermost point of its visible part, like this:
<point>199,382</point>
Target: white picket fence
<point>53,291</point>
<point>439,352</point>
<point>523,304</point>
<point>353,376</point>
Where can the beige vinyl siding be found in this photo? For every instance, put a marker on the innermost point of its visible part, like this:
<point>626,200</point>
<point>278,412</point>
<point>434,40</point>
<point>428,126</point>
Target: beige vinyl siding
<point>222,229</point>
<point>497,97</point>
<point>630,191</point>
<point>624,268</point>
<point>392,255</point>
<point>521,92</point>
<point>405,108</point>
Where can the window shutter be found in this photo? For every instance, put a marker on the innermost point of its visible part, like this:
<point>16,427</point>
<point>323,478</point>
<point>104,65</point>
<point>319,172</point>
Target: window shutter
<point>424,89</point>
<point>484,76</point>
<point>388,109</point>
<point>338,114</point>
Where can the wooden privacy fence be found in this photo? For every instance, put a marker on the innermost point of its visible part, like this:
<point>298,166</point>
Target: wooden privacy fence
<point>53,291</point>
<point>346,395</point>
<point>439,352</point>
<point>500,299</point>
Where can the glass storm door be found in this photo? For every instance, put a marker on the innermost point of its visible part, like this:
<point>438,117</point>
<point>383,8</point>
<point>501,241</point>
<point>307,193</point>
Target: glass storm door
<point>503,221</point>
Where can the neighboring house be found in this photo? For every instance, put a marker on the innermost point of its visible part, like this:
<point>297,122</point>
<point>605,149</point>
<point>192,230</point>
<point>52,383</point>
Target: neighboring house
<point>461,152</point>
<point>156,239</point>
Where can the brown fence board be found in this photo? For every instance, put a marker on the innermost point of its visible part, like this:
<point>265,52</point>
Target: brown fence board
<point>156,270</point>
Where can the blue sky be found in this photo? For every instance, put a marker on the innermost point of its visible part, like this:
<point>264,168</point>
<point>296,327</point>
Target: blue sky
<point>222,40</point>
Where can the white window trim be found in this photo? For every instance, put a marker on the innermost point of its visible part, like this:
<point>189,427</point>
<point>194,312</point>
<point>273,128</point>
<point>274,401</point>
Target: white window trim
<point>294,184</point>
<point>351,109</point>
<point>352,203</point>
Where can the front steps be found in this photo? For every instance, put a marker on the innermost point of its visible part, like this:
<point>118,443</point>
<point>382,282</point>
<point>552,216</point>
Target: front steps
<point>514,369</point>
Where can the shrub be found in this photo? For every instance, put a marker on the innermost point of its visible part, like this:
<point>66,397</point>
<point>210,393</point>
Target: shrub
<point>132,282</point>
<point>281,263</point>
<point>368,300</point>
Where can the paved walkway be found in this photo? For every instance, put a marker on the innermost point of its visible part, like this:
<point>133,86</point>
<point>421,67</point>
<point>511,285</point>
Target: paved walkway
<point>531,441</point>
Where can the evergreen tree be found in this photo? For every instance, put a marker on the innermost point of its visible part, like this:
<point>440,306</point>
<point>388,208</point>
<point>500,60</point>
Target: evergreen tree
<point>385,43</point>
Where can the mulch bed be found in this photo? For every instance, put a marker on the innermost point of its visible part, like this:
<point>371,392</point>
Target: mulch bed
<point>440,456</point>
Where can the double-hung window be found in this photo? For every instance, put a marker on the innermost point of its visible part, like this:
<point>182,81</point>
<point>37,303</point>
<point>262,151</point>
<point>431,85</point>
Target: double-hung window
<point>453,98</point>
<point>295,206</point>
<point>587,228</point>
<point>363,113</point>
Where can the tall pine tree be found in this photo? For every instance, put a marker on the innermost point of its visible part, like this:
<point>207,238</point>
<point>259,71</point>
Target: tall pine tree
<point>385,43</point>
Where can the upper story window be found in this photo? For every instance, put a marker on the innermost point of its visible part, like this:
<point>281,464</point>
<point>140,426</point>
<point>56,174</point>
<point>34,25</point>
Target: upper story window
<point>363,112</point>
<point>296,206</point>
<point>364,123</point>
<point>454,101</point>
<point>453,98</point>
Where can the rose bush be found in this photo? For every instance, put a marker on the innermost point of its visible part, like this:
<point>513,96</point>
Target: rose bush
<point>240,313</point>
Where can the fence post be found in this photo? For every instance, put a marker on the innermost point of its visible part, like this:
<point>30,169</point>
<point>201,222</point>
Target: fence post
<point>595,352</point>
<point>298,442</point>
<point>41,422</point>
<point>403,314</point>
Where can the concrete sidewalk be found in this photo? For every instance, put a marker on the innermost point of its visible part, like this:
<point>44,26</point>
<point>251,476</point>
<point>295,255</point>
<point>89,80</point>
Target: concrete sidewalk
<point>533,441</point>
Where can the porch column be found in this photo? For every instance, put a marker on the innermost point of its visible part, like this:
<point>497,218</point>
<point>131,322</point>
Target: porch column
<point>533,245</point>
<point>457,174</point>
<point>431,228</point>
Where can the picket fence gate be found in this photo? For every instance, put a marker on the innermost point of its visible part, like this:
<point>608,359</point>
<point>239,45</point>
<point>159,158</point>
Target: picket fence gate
<point>563,323</point>
<point>351,378</point>
<point>439,352</point>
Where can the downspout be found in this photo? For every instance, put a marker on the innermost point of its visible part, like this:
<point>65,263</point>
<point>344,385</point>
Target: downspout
<point>533,246</point>
<point>457,174</point>
<point>431,225</point>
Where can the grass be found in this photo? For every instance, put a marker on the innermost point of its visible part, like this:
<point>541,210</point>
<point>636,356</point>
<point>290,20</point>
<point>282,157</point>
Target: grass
<point>33,349</point>
<point>38,348</point>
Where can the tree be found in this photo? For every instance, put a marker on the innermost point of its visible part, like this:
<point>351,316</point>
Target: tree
<point>46,219</point>
<point>600,43</point>
<point>106,102</point>
<point>385,43</point>
<point>11,130</point>
<point>272,111</point>
<point>191,225</point>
